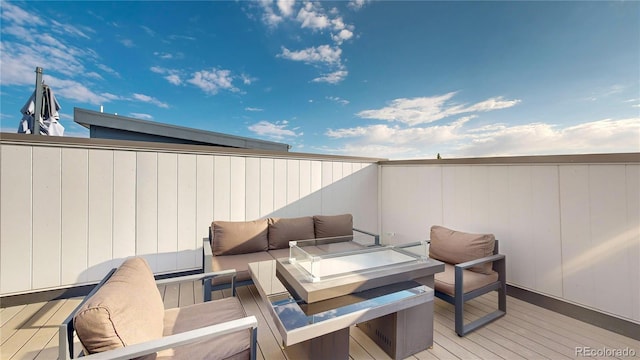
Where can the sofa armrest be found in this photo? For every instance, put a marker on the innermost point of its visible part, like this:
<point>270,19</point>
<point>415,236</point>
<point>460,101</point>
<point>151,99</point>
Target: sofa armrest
<point>207,255</point>
<point>376,237</point>
<point>205,278</point>
<point>185,338</point>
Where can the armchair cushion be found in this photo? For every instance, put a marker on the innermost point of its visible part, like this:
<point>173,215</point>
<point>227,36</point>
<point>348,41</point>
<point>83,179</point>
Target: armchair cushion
<point>178,320</point>
<point>283,230</point>
<point>109,320</point>
<point>239,237</point>
<point>333,225</point>
<point>456,247</point>
<point>445,281</point>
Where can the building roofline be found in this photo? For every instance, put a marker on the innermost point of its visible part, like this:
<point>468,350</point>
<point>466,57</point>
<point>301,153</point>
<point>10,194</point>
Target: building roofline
<point>88,118</point>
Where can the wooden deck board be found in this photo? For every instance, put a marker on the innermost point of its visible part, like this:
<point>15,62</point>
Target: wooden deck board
<point>526,332</point>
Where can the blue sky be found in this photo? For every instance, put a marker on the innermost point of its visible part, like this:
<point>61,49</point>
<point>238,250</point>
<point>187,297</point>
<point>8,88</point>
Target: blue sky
<point>387,79</point>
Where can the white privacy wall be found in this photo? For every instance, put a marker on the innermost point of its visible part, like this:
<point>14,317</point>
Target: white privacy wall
<point>68,214</point>
<point>569,231</point>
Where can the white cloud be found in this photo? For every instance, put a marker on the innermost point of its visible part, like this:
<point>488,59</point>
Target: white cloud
<point>423,110</point>
<point>311,16</point>
<point>459,139</point>
<point>150,100</point>
<point>127,43</point>
<point>14,14</point>
<point>141,116</point>
<point>338,100</point>
<point>286,7</point>
<point>319,54</point>
<point>174,79</point>
<point>213,81</point>
<point>332,78</point>
<point>253,109</point>
<point>277,130</point>
<point>357,4</point>
<point>342,35</point>
<point>246,79</point>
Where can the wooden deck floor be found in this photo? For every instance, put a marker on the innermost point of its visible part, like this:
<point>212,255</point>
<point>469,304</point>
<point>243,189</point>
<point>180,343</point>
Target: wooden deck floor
<point>526,332</point>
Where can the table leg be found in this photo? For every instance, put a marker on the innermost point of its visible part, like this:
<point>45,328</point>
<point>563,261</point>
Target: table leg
<point>334,345</point>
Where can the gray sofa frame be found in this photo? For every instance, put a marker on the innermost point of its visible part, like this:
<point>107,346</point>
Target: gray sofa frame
<point>207,258</point>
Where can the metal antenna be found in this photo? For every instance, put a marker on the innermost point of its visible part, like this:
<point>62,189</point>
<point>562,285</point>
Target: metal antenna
<point>38,110</point>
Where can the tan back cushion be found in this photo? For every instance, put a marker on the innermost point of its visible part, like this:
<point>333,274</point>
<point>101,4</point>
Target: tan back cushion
<point>239,237</point>
<point>455,247</point>
<point>283,230</point>
<point>126,310</point>
<point>333,225</point>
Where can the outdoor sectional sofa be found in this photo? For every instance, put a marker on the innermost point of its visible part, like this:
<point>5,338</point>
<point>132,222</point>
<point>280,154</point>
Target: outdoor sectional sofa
<point>235,244</point>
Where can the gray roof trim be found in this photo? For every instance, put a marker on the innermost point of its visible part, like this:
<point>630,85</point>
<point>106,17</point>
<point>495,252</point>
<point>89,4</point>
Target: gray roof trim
<point>89,118</point>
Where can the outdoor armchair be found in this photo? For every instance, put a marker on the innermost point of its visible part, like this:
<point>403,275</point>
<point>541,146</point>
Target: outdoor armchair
<point>473,267</point>
<point>124,317</point>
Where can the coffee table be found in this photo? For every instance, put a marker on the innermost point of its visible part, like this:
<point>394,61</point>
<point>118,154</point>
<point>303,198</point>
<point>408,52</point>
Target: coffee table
<point>313,309</point>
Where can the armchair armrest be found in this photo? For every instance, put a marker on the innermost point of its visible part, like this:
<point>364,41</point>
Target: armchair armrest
<point>472,263</point>
<point>185,338</point>
<point>376,237</point>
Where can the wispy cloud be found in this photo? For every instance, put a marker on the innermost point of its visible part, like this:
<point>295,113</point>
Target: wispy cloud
<point>422,110</point>
<point>460,139</point>
<point>127,43</point>
<point>275,130</point>
<point>141,116</point>
<point>337,99</point>
<point>150,100</point>
<point>253,109</point>
<point>333,77</point>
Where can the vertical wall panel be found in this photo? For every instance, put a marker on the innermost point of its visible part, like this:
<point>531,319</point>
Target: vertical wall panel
<point>521,264</point>
<point>187,240</point>
<point>124,204</point>
<point>578,274</point>
<point>480,202</point>
<point>252,200</point>
<point>46,212</point>
<point>266,187</point>
<point>100,249</point>
<point>306,206</point>
<point>238,189</point>
<point>499,208</point>
<point>75,215</point>
<point>293,187</point>
<point>147,206</point>
<point>607,253</point>
<point>15,218</point>
<point>222,188</point>
<point>280,188</point>
<point>456,193</point>
<point>204,206</point>
<point>315,198</point>
<point>546,238</point>
<point>632,235</point>
<point>166,259</point>
<point>328,191</point>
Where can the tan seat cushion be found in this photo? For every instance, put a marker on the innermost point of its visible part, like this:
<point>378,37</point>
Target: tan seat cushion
<point>445,281</point>
<point>178,320</point>
<point>239,262</point>
<point>239,237</point>
<point>126,310</point>
<point>333,225</point>
<point>455,247</point>
<point>283,230</point>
